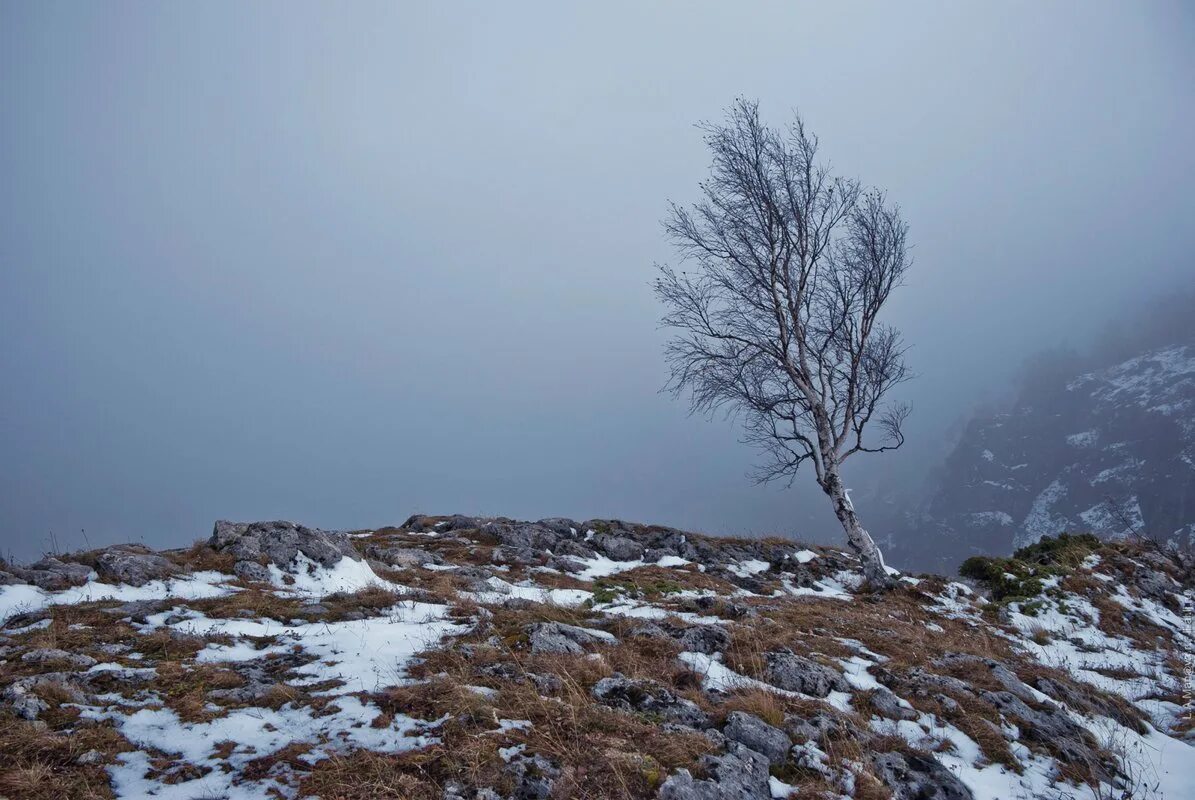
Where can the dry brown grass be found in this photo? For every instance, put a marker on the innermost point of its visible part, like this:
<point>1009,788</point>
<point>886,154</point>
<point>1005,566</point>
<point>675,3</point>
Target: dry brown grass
<point>869,787</point>
<point>199,557</point>
<point>602,753</point>
<point>365,775</point>
<point>772,708</point>
<point>164,644</point>
<point>40,764</point>
<point>259,602</point>
<point>74,628</point>
<point>183,688</point>
<point>655,582</point>
<point>1116,620</point>
<point>896,629</point>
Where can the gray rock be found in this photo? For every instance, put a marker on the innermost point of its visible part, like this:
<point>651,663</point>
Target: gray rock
<point>556,637</point>
<point>27,705</point>
<point>1156,585</point>
<point>750,730</point>
<point>888,705</point>
<point>454,791</point>
<point>421,523</point>
<point>648,630</point>
<point>402,557</point>
<point>808,756</point>
<point>798,674</point>
<point>8,579</point>
<point>53,574</point>
<point>534,776</point>
<point>561,526</point>
<point>281,543</point>
<point>566,564</point>
<point>251,571</point>
<point>922,680</point>
<point>476,578</point>
<point>682,786</point>
<point>1004,676</point>
<point>133,566</point>
<point>740,774</point>
<point>516,555</point>
<point>522,535</point>
<point>568,547</point>
<point>648,697</point>
<point>90,757</point>
<point>1050,727</point>
<point>819,726</point>
<point>916,777</point>
<point>546,683</point>
<point>949,704</point>
<point>314,609</point>
<point>138,610</point>
<point>1089,702</point>
<point>707,639</point>
<point>618,548</point>
<point>49,655</point>
<point>243,694</point>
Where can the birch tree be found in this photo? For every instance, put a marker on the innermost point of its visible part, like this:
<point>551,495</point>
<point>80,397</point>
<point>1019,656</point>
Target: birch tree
<point>785,270</point>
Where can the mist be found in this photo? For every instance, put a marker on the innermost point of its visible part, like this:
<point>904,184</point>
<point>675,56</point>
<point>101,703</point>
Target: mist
<point>343,264</point>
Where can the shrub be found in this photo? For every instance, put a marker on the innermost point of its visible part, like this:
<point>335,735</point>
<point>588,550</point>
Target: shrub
<point>1006,578</point>
<point>1065,550</point>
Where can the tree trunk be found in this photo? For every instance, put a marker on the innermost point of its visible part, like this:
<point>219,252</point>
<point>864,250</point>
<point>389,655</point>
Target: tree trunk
<point>860,541</point>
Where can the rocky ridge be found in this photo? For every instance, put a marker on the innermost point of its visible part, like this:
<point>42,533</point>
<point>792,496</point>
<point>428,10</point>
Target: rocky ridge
<point>497,659</point>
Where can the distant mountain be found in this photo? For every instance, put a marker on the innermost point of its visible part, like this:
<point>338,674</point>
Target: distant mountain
<point>1109,450</point>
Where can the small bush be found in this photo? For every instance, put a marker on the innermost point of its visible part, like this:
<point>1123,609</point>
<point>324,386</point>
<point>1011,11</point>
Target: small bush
<point>1006,578</point>
<point>1065,550</point>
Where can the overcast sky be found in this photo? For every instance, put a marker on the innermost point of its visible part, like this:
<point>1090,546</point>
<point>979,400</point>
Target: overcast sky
<point>339,263</point>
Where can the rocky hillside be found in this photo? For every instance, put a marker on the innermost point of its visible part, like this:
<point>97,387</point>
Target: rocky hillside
<point>1110,451</point>
<point>453,658</point>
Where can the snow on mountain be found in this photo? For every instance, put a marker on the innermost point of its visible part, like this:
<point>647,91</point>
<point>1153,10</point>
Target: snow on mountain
<point>1111,451</point>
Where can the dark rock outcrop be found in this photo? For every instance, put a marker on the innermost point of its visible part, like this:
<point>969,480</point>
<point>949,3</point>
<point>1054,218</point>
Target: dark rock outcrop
<point>53,574</point>
<point>557,637</point>
<point>750,730</point>
<point>648,697</point>
<point>281,543</point>
<point>740,774</point>
<point>133,565</point>
<point>916,777</point>
<point>798,674</point>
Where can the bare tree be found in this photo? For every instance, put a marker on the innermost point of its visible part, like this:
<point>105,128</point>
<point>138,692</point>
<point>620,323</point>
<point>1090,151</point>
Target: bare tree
<point>778,319</point>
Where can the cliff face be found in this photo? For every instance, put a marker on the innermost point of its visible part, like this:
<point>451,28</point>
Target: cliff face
<point>1110,451</point>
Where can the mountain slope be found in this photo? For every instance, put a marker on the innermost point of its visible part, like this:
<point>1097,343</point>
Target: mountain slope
<point>454,657</point>
<point>1111,451</point>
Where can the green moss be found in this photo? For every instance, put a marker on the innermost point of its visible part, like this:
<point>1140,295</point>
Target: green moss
<point>607,590</point>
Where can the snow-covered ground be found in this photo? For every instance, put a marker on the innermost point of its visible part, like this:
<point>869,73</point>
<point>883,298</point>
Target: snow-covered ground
<point>332,667</point>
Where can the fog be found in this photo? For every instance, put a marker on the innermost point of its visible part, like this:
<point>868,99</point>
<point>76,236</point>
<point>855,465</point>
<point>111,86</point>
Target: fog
<point>339,264</point>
